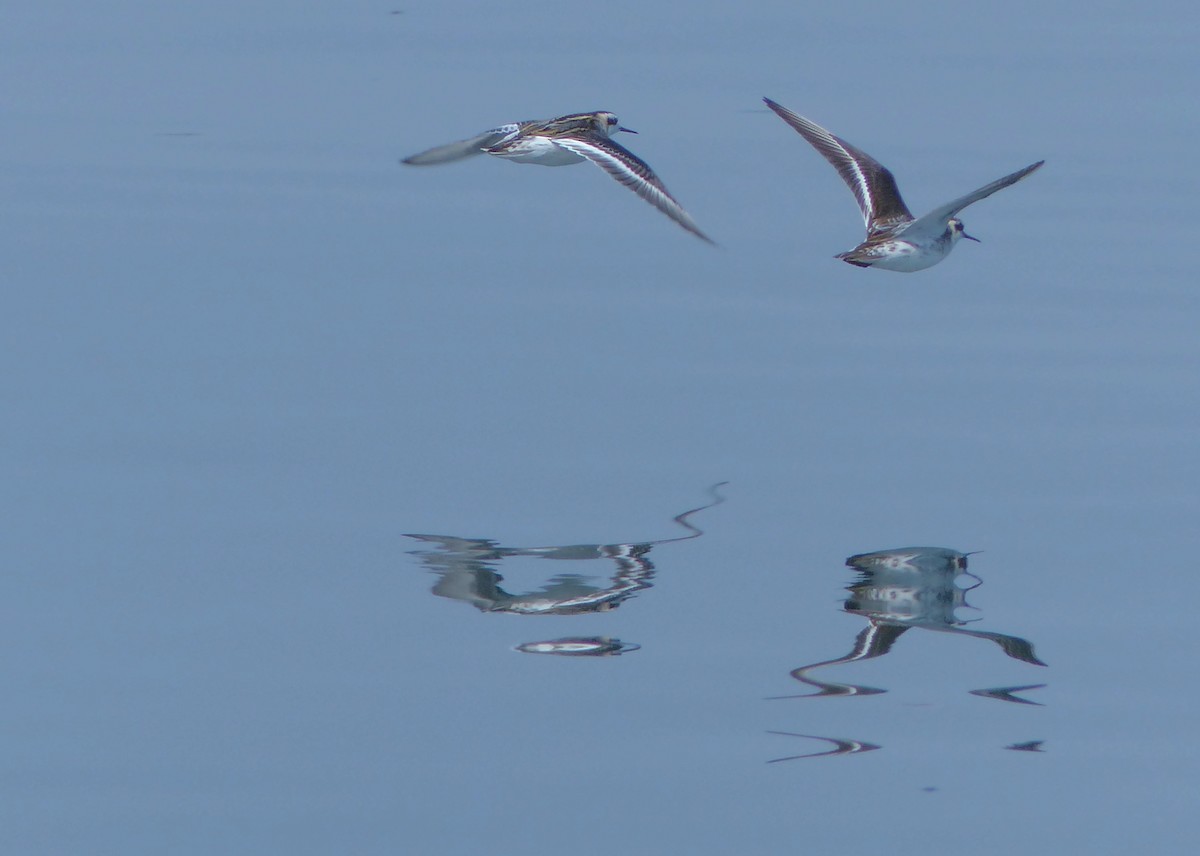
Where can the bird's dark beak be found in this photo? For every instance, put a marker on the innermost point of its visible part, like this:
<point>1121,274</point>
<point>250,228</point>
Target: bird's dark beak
<point>627,130</point>
<point>971,238</point>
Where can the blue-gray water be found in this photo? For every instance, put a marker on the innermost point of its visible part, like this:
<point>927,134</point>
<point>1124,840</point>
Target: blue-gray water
<point>247,354</point>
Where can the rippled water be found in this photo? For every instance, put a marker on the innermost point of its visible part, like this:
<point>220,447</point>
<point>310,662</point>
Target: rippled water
<point>292,432</point>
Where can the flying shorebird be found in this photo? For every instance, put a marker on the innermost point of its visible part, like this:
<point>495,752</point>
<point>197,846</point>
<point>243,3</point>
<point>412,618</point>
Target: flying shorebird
<point>895,241</point>
<point>567,140</point>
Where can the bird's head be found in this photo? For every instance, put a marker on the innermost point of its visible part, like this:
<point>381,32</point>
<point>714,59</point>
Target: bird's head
<point>609,124</point>
<point>956,231</point>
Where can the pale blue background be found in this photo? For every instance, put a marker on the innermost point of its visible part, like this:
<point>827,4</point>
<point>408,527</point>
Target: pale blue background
<point>245,351</point>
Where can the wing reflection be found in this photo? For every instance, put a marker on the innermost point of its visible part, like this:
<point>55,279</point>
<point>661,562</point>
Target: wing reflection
<point>1009,693</point>
<point>467,571</point>
<point>840,747</point>
<point>898,590</point>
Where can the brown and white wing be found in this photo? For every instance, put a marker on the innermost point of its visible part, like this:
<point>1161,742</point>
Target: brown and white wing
<point>872,183</point>
<point>631,171</point>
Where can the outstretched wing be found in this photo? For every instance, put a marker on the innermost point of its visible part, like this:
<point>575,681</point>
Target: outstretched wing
<point>933,224</point>
<point>463,148</point>
<point>871,182</point>
<point>631,171</point>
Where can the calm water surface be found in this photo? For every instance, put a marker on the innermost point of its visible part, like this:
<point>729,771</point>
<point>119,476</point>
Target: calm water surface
<point>347,504</point>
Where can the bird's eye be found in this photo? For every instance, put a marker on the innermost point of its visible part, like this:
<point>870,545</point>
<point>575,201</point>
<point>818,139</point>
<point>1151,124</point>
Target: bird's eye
<point>612,120</point>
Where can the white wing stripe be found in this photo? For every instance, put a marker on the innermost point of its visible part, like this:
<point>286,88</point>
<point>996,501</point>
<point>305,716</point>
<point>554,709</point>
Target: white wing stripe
<point>627,173</point>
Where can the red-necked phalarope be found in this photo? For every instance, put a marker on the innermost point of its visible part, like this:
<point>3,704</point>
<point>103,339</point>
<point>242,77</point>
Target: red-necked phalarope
<point>895,241</point>
<point>567,140</point>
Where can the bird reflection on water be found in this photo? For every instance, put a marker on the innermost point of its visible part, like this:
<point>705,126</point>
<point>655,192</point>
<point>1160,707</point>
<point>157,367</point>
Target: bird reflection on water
<point>467,571</point>
<point>896,591</point>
